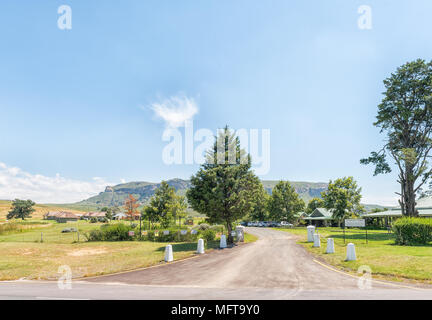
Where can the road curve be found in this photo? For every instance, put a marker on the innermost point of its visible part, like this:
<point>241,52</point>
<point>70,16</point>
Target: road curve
<point>274,267</point>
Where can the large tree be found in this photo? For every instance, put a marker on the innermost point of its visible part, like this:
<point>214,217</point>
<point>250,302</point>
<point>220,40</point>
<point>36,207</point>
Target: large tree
<point>285,203</point>
<point>313,204</point>
<point>260,210</point>
<point>343,198</point>
<point>131,207</point>
<point>21,209</point>
<point>224,187</point>
<point>405,117</point>
<point>164,205</point>
<point>178,208</point>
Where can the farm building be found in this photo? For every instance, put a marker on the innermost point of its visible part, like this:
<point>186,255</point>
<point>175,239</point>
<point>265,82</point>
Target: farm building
<point>120,216</point>
<point>61,216</point>
<point>51,215</point>
<point>98,215</point>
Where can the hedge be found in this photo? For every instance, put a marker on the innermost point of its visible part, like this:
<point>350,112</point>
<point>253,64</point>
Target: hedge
<point>413,231</point>
<point>120,232</point>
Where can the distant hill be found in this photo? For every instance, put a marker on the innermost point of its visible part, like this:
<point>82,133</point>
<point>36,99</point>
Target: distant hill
<point>143,191</point>
<point>306,190</point>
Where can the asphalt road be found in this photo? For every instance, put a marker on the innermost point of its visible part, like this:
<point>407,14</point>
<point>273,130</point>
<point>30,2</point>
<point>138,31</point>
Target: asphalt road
<point>274,267</point>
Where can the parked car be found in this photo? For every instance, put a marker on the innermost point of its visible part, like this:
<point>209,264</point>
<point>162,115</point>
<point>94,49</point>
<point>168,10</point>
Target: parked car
<point>286,224</point>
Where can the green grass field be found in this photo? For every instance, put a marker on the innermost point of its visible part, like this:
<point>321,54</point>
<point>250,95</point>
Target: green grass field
<point>23,255</point>
<point>387,260</point>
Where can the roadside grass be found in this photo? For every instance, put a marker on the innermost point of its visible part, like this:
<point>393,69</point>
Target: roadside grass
<point>386,259</point>
<point>22,255</point>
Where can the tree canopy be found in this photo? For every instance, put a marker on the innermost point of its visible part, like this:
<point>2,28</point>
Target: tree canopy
<point>343,198</point>
<point>131,207</point>
<point>165,206</point>
<point>21,209</point>
<point>405,117</point>
<point>313,204</point>
<point>285,203</point>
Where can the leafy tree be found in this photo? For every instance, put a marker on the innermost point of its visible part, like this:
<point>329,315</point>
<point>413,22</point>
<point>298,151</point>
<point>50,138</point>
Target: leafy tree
<point>343,198</point>
<point>313,204</point>
<point>260,210</point>
<point>21,209</point>
<point>163,205</point>
<point>178,208</point>
<point>405,117</point>
<point>131,207</point>
<point>108,213</point>
<point>224,188</point>
<point>285,202</point>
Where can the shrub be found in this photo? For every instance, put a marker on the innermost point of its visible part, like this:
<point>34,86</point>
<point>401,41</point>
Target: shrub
<point>110,232</point>
<point>93,220</point>
<point>203,226</point>
<point>208,235</point>
<point>412,231</point>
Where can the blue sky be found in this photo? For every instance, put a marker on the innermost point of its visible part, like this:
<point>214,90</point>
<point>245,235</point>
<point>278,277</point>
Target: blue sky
<point>77,104</point>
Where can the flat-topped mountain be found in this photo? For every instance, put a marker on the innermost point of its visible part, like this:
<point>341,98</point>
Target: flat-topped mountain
<point>143,191</point>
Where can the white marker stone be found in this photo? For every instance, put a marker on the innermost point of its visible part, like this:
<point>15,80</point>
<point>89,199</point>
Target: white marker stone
<point>240,233</point>
<point>310,233</point>
<point>351,254</point>
<point>317,241</point>
<point>330,246</point>
<point>168,253</point>
<point>166,232</point>
<point>194,231</point>
<point>223,243</point>
<point>183,232</point>
<point>200,248</point>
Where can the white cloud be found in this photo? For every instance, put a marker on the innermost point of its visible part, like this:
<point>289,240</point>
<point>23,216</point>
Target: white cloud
<point>16,183</point>
<point>175,110</point>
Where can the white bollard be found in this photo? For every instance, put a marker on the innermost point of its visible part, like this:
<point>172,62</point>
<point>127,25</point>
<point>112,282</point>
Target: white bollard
<point>200,249</point>
<point>168,253</point>
<point>310,233</point>
<point>223,243</point>
<point>351,254</point>
<point>330,246</point>
<point>317,241</point>
<point>240,233</point>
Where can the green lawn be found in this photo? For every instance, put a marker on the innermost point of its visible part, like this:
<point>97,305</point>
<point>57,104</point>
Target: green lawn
<point>24,256</point>
<point>386,259</point>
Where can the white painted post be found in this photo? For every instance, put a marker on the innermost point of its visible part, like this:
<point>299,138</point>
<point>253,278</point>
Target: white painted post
<point>168,253</point>
<point>223,243</point>
<point>310,233</point>
<point>240,233</point>
<point>317,241</point>
<point>200,249</point>
<point>330,246</point>
<point>351,254</point>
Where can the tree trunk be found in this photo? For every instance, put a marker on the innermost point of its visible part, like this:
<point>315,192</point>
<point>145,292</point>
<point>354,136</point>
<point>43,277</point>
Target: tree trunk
<point>229,229</point>
<point>409,196</point>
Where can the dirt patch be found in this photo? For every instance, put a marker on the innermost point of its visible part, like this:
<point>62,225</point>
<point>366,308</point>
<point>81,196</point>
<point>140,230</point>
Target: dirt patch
<point>87,252</point>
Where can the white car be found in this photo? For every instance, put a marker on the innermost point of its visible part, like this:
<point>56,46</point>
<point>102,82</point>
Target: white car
<point>286,224</point>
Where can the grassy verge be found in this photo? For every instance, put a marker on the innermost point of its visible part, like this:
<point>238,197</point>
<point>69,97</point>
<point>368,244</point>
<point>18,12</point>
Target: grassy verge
<point>387,260</point>
<point>24,256</point>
